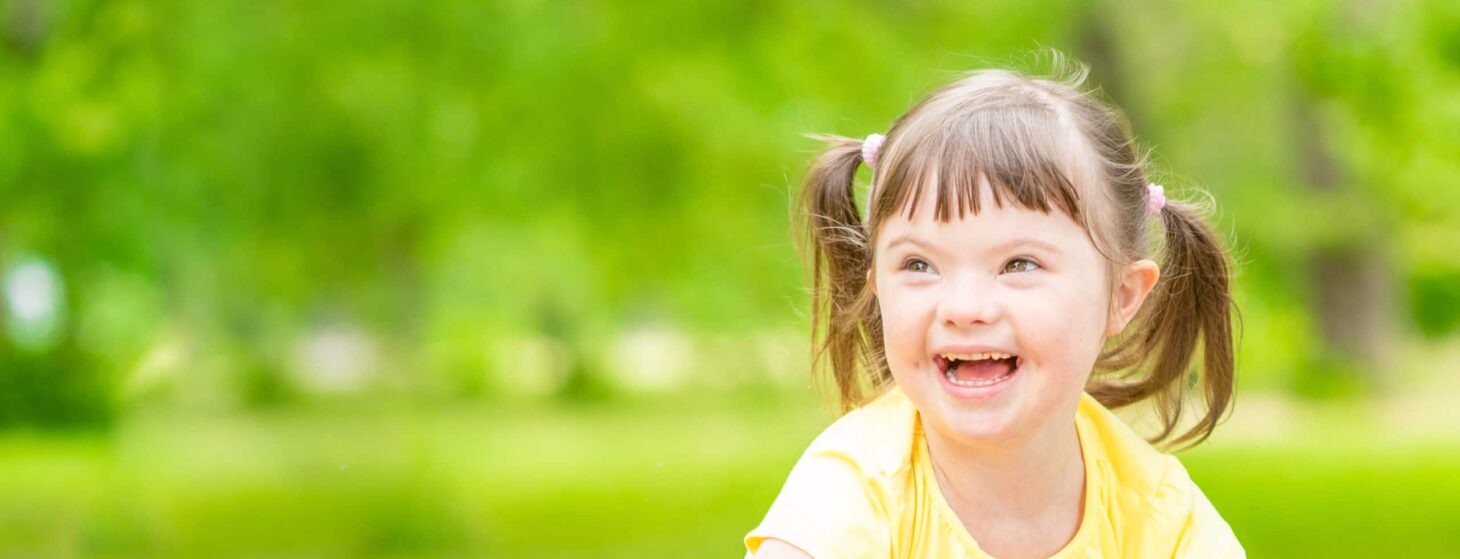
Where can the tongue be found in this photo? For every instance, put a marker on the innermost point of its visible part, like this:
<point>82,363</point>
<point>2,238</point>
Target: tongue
<point>983,369</point>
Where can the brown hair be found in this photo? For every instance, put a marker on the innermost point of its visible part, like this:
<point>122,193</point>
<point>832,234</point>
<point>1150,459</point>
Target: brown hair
<point>1043,143</point>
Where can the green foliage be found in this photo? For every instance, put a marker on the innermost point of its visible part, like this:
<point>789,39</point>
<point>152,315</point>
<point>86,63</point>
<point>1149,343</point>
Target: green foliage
<point>227,180</point>
<point>1434,299</point>
<point>56,388</point>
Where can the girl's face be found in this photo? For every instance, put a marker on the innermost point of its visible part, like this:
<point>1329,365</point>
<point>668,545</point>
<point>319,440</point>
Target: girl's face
<point>1007,280</point>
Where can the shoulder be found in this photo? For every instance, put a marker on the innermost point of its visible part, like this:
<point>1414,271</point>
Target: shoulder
<point>841,495</point>
<point>1203,531</point>
<point>876,439</point>
<point>1155,487</point>
<point>1136,467</point>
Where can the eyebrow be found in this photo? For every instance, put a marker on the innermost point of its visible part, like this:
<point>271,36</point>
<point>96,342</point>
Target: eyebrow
<point>1001,247</point>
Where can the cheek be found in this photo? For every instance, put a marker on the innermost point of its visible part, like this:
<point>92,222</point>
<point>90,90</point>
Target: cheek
<point>1068,328</point>
<point>1051,315</point>
<point>904,323</point>
<point>1089,318</point>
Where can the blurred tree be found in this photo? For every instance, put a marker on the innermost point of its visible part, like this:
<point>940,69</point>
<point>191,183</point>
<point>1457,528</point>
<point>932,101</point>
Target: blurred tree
<point>220,182</point>
<point>1350,277</point>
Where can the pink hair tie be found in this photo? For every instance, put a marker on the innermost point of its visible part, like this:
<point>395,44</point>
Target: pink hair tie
<point>1155,198</point>
<point>870,147</point>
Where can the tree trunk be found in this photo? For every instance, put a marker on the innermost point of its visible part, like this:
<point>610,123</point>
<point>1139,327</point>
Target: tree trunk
<point>1351,282</point>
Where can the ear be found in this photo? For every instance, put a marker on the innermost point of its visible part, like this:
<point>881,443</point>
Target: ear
<point>1136,282</point>
<point>872,281</point>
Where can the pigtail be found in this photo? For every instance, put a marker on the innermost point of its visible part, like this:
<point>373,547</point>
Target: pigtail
<point>1190,303</point>
<point>845,321</point>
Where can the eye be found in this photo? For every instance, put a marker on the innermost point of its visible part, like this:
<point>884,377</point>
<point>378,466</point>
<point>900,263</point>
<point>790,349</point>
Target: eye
<point>1029,265</point>
<point>916,265</point>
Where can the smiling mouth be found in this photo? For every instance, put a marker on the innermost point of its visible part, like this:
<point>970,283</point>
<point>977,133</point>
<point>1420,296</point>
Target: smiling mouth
<point>978,369</point>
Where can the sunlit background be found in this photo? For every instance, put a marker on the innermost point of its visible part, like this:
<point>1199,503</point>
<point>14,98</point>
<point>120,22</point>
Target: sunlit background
<point>515,278</point>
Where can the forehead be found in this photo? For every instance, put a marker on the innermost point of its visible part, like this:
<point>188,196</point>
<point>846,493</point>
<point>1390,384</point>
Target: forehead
<point>993,225</point>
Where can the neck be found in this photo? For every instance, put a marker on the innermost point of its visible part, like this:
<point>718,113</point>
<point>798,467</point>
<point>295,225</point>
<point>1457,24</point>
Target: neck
<point>1028,477</point>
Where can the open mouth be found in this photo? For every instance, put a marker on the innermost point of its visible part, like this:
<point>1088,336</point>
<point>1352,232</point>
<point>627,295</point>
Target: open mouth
<point>978,369</point>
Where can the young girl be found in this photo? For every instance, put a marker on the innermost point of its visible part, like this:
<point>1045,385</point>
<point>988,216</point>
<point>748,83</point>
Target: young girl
<point>998,300</point>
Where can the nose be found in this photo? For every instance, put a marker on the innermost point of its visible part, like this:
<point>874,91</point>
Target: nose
<point>968,301</point>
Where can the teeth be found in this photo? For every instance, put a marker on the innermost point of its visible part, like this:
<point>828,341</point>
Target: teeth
<point>976,356</point>
<point>953,378</point>
<point>988,382</point>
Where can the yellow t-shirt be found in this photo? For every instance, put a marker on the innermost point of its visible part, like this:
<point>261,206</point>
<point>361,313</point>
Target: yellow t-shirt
<point>865,488</point>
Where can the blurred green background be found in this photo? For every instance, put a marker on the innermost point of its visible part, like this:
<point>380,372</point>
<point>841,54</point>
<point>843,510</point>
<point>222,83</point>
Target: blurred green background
<point>514,278</point>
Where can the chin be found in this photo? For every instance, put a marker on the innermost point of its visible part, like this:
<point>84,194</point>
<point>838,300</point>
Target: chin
<point>992,416</point>
<point>982,421</point>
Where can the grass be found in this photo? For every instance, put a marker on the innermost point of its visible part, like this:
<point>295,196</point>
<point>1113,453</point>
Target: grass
<point>639,479</point>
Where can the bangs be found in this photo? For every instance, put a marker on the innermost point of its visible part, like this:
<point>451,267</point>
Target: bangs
<point>1022,150</point>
